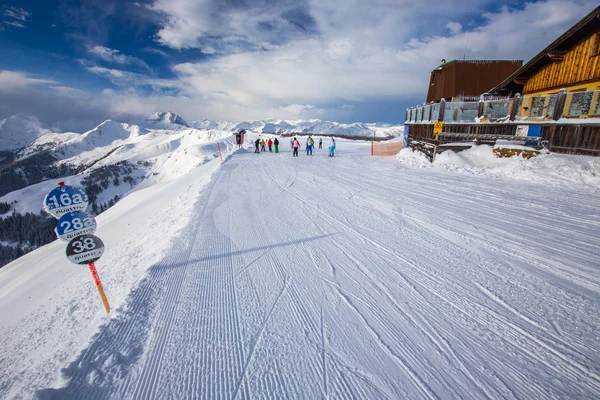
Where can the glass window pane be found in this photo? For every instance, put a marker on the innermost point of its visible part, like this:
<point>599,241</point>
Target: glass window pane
<point>580,103</point>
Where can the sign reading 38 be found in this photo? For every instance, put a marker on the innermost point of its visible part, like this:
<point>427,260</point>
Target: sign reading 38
<point>85,249</point>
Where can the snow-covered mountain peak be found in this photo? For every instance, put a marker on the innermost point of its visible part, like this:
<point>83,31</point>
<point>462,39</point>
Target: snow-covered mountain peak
<point>167,118</point>
<point>315,126</point>
<point>20,130</point>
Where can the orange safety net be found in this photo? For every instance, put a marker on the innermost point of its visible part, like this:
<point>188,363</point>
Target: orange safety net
<point>385,148</point>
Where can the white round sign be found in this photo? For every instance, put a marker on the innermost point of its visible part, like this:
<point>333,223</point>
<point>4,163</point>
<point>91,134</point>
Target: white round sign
<point>85,249</point>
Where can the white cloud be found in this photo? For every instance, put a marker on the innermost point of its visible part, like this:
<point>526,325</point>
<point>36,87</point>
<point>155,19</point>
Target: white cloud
<point>454,27</point>
<point>11,16</point>
<point>226,26</point>
<point>364,52</point>
<point>298,109</point>
<point>127,79</point>
<point>334,68</point>
<point>115,56</point>
<point>209,50</point>
<point>16,13</point>
<point>114,73</point>
<point>11,81</point>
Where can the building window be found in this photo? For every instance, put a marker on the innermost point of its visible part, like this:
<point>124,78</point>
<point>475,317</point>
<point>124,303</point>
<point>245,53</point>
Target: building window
<point>433,79</point>
<point>536,109</point>
<point>580,103</point>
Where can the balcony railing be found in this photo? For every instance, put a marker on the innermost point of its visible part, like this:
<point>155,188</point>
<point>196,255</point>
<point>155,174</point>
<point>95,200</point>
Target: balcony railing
<point>530,108</point>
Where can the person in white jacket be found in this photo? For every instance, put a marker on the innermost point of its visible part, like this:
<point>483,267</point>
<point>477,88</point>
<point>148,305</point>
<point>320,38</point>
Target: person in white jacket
<point>332,147</point>
<point>295,146</point>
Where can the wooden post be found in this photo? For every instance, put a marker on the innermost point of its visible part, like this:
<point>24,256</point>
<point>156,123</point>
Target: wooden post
<point>442,108</point>
<point>99,287</point>
<point>514,108</point>
<point>559,107</point>
<point>220,154</point>
<point>480,108</point>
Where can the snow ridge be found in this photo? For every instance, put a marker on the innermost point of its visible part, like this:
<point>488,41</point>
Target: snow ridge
<point>20,130</point>
<point>316,126</point>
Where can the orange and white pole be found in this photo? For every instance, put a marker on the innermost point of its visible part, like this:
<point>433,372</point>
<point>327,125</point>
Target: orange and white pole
<point>99,287</point>
<point>220,154</point>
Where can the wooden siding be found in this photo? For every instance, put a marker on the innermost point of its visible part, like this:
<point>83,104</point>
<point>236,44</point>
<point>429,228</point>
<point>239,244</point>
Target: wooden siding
<point>468,78</point>
<point>580,64</point>
<point>581,139</point>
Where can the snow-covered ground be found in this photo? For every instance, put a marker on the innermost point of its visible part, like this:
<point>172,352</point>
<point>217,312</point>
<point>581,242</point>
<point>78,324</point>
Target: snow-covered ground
<point>546,169</point>
<point>349,277</point>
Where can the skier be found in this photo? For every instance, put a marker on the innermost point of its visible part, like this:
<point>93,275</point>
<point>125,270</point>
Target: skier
<point>309,145</point>
<point>320,143</point>
<point>276,142</point>
<point>332,147</point>
<point>270,143</point>
<point>262,145</point>
<point>295,146</point>
<point>256,143</point>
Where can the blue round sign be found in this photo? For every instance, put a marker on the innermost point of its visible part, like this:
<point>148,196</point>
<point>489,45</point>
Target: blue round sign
<point>65,199</point>
<point>74,224</point>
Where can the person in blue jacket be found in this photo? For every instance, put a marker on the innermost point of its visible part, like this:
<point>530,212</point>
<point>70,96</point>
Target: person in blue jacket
<point>310,142</point>
<point>332,147</point>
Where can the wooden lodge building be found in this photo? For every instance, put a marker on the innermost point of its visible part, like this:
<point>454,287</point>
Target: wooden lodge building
<point>554,97</point>
<point>571,62</point>
<point>459,80</point>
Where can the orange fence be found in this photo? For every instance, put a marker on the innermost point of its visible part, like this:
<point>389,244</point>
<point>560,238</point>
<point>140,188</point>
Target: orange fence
<point>385,148</point>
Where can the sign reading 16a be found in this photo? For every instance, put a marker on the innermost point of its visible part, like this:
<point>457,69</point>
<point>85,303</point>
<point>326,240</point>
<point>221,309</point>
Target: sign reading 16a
<point>64,199</point>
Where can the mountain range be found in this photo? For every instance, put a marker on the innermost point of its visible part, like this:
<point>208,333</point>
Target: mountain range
<point>22,130</point>
<point>115,158</point>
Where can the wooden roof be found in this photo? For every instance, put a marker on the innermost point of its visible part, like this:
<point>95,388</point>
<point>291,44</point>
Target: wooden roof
<point>588,26</point>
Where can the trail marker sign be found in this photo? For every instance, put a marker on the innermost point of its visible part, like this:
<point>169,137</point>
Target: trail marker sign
<point>74,224</point>
<point>64,199</point>
<point>67,204</point>
<point>85,249</point>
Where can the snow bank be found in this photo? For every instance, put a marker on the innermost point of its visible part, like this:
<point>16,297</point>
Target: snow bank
<point>547,169</point>
<point>50,308</point>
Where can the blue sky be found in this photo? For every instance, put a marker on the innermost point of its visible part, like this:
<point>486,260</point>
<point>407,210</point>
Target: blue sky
<point>341,60</point>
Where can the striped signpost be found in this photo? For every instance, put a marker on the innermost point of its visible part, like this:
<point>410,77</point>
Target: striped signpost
<point>68,204</point>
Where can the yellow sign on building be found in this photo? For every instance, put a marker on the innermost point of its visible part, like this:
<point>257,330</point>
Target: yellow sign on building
<point>437,127</point>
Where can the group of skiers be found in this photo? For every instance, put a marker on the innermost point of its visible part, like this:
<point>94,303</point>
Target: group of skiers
<point>295,145</point>
<point>261,142</point>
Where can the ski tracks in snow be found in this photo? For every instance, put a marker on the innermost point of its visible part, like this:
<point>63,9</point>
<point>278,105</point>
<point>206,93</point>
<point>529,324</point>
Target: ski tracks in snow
<point>300,278</point>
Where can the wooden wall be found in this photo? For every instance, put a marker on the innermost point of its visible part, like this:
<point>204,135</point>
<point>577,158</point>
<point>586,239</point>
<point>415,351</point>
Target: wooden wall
<point>581,139</point>
<point>580,64</point>
<point>469,77</point>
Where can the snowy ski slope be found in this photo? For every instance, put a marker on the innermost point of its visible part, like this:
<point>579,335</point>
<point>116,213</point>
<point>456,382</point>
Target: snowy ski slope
<point>350,277</point>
